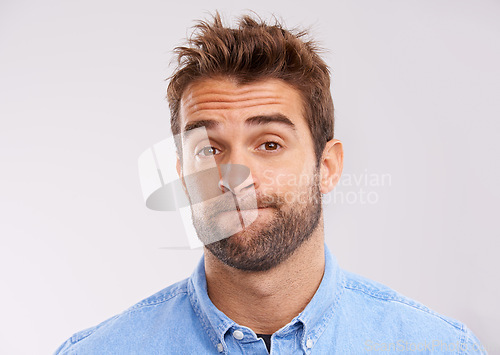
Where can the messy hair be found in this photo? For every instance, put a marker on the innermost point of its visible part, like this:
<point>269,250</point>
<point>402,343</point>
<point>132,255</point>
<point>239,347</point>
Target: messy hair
<point>254,51</point>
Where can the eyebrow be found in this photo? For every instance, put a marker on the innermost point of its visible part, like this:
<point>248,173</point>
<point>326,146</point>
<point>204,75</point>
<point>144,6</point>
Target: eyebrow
<point>251,121</point>
<point>273,118</point>
<point>208,124</point>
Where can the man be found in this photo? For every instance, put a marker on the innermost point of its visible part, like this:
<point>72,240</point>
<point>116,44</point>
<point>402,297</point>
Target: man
<point>252,105</point>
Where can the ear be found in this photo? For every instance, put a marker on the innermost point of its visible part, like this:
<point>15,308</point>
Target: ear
<point>332,163</point>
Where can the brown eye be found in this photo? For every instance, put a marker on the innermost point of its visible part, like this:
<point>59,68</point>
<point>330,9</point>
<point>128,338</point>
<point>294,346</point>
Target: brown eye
<point>269,146</point>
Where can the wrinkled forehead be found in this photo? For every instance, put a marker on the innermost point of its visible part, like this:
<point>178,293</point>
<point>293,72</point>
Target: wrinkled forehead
<point>217,95</point>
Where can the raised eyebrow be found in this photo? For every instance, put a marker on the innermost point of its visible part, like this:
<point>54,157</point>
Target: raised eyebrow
<point>253,121</point>
<point>200,123</point>
<point>274,118</point>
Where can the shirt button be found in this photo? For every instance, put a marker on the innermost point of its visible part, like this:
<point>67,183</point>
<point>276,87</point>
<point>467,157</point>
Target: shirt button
<point>220,348</point>
<point>309,343</point>
<point>238,334</point>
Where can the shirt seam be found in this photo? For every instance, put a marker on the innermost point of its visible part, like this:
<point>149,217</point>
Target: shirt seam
<point>424,309</point>
<point>461,349</point>
<point>78,337</point>
<point>164,299</point>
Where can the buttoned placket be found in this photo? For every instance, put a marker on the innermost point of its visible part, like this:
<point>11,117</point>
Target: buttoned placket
<point>240,339</point>
<point>243,340</point>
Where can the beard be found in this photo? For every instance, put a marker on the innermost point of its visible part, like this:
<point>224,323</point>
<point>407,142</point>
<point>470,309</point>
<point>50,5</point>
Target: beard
<point>262,246</point>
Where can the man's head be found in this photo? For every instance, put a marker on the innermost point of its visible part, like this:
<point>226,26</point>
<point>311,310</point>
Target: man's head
<point>262,95</point>
<point>252,52</point>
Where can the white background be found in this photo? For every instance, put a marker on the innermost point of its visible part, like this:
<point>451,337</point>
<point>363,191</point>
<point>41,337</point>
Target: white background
<point>416,92</point>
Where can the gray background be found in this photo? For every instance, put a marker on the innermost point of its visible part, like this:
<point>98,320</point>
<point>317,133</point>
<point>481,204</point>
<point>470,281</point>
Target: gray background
<point>415,86</point>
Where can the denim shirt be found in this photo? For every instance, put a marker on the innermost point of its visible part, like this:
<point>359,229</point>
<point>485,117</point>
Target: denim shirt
<point>348,314</point>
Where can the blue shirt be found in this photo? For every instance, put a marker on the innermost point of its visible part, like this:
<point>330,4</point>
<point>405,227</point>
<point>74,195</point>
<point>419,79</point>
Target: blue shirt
<point>348,314</point>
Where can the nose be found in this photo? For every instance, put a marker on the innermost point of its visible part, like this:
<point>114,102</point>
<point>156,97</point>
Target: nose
<point>235,178</point>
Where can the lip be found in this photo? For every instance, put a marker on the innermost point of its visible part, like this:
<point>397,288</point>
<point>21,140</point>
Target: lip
<point>253,209</point>
<point>244,211</point>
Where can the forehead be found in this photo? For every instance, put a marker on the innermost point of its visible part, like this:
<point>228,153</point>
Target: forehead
<point>222,98</point>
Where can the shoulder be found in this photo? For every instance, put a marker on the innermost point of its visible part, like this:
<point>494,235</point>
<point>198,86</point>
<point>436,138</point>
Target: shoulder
<point>390,314</point>
<point>378,293</point>
<point>138,319</point>
<point>175,291</point>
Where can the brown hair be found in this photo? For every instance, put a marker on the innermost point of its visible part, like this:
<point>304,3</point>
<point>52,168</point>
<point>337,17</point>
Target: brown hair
<point>254,51</point>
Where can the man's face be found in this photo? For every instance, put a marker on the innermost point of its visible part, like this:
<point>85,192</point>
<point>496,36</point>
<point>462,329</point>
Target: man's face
<point>259,126</point>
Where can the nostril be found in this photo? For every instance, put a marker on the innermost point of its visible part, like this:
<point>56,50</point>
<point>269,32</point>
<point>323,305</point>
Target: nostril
<point>234,178</point>
<point>224,187</point>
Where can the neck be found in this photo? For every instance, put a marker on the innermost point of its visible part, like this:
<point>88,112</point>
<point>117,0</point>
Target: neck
<point>265,301</point>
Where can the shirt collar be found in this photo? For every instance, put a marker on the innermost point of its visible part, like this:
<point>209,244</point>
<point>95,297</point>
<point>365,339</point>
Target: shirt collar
<point>322,307</point>
<point>314,317</point>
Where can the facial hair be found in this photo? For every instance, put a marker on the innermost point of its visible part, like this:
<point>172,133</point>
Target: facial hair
<point>263,248</point>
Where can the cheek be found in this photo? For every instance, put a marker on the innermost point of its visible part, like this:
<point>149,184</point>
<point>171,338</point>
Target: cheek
<point>287,173</point>
<point>281,181</point>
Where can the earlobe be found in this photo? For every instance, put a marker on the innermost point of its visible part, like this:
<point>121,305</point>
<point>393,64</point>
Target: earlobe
<point>332,163</point>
